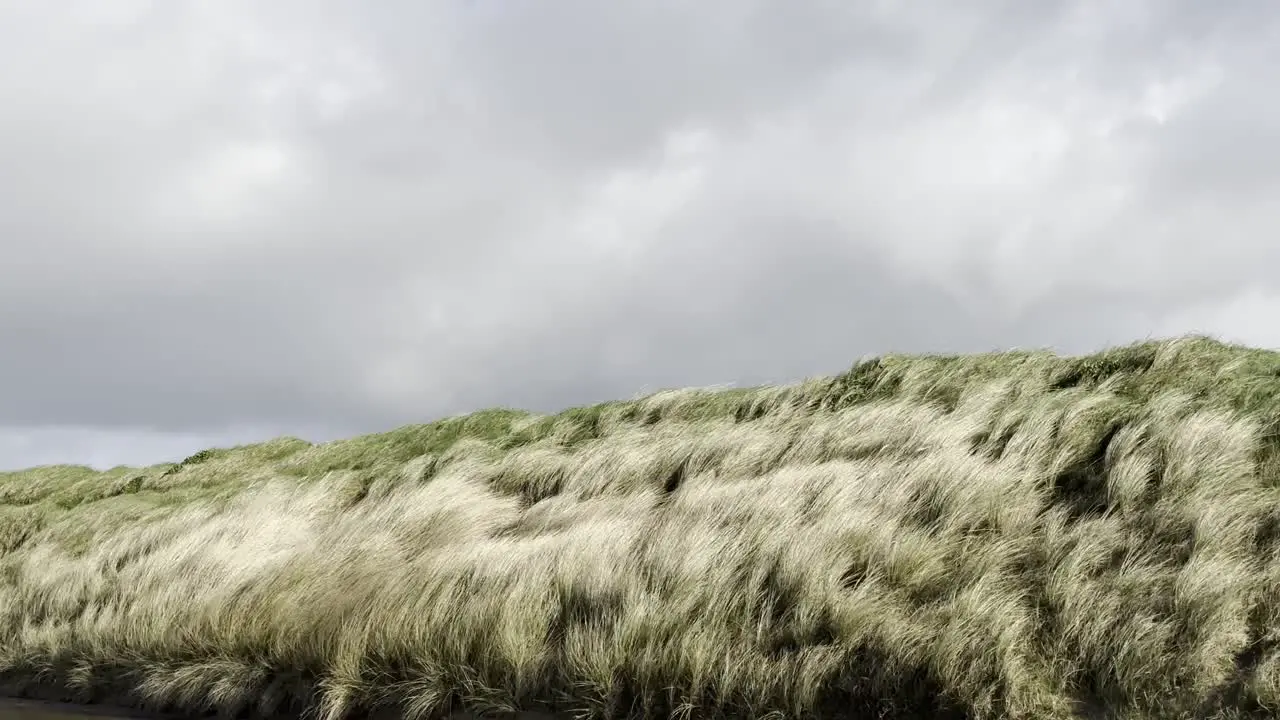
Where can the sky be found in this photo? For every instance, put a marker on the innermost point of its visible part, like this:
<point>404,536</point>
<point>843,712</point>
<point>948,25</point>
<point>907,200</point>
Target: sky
<point>222,221</point>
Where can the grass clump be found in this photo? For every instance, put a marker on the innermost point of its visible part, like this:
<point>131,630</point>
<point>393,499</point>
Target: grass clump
<point>1010,535</point>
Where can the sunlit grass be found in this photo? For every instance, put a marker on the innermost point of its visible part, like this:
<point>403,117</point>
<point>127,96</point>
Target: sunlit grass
<point>1012,535</point>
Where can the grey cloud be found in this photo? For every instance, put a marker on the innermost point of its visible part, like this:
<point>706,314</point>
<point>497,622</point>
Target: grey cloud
<point>329,218</point>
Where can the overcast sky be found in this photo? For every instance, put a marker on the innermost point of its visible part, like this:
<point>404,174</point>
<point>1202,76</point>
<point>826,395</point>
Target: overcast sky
<point>228,220</point>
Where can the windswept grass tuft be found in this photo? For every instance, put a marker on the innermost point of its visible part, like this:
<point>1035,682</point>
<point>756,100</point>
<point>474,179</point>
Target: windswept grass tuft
<point>1009,535</point>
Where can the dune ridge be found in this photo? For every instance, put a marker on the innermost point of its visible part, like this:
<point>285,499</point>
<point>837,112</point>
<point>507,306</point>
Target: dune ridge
<point>1004,535</point>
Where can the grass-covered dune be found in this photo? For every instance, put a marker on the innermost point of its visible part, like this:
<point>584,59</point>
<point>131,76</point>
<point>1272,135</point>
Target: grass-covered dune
<point>1005,535</point>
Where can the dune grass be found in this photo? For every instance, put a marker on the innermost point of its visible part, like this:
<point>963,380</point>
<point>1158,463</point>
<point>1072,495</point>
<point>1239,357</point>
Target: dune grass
<point>1014,535</point>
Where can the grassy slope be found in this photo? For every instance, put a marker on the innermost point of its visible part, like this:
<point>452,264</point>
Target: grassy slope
<point>1004,535</point>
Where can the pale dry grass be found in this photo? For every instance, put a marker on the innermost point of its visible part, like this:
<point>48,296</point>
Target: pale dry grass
<point>1011,535</point>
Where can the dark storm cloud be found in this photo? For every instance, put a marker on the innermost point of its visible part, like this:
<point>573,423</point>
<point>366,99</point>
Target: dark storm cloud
<point>227,221</point>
